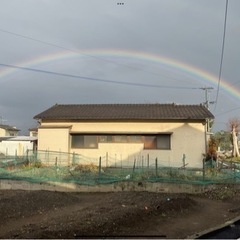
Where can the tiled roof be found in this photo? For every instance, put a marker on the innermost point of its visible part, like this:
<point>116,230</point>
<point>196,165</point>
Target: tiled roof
<point>125,112</point>
<point>9,128</point>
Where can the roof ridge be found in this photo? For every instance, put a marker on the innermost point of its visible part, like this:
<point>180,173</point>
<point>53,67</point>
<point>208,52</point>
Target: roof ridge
<point>127,111</point>
<point>111,104</point>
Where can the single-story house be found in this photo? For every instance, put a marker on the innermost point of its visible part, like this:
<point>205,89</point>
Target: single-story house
<point>175,134</point>
<point>6,130</point>
<point>33,132</point>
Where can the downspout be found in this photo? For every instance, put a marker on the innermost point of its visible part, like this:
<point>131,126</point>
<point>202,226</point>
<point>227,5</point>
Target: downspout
<point>206,135</point>
<point>206,146</point>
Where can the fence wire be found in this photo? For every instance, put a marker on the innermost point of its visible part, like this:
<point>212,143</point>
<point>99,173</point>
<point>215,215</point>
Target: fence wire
<point>45,166</point>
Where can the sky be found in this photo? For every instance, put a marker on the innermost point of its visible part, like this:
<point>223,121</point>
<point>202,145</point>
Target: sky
<point>118,51</point>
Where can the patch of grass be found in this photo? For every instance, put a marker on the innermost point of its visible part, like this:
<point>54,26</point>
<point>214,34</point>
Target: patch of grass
<point>234,159</point>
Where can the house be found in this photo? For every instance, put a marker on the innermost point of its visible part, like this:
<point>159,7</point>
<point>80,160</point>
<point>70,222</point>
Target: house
<point>122,133</point>
<point>33,132</point>
<point>13,145</point>
<point>6,130</point>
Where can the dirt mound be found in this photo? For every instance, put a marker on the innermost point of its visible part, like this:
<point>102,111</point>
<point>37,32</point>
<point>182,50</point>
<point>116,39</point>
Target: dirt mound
<point>42,214</point>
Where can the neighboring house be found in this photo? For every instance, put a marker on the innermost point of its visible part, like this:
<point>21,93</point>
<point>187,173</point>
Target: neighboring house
<point>33,132</point>
<point>17,146</point>
<point>124,132</point>
<point>13,145</point>
<point>6,130</point>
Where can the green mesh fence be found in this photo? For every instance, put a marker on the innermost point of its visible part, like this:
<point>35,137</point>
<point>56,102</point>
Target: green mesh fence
<point>45,166</point>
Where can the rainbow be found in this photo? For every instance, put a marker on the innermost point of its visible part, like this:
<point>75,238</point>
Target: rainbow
<point>192,72</point>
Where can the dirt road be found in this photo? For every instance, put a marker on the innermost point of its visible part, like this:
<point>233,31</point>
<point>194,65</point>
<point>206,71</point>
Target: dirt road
<point>42,214</point>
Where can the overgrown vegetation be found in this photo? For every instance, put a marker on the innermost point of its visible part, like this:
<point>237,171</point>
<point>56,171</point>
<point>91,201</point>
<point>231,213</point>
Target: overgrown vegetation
<point>92,174</point>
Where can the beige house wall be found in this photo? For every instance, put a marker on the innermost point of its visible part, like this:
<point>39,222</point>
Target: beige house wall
<point>2,132</point>
<point>186,138</point>
<point>53,139</point>
<point>7,133</point>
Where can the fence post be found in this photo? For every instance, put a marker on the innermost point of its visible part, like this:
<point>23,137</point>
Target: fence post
<point>134,165</point>
<point>56,162</point>
<point>99,167</point>
<point>156,165</point>
<point>234,169</point>
<point>15,157</point>
<point>203,169</point>
<point>148,160</point>
<point>184,160</point>
<point>73,158</point>
<point>28,162</point>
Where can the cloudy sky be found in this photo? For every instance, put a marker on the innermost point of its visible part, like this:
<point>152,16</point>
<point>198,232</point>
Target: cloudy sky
<point>101,51</point>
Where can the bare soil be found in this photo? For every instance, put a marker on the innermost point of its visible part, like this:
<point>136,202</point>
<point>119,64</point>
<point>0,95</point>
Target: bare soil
<point>48,215</point>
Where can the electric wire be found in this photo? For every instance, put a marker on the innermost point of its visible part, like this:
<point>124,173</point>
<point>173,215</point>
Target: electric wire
<point>93,79</point>
<point>222,54</point>
<point>233,109</point>
<point>83,54</point>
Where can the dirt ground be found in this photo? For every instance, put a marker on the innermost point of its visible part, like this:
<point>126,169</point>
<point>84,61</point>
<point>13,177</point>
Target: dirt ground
<point>43,214</point>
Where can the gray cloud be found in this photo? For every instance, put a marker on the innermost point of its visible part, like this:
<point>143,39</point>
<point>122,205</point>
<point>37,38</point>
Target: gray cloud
<point>186,31</point>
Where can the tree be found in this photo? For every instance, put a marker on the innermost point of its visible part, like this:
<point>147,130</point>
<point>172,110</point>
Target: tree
<point>212,148</point>
<point>234,124</point>
<point>224,140</point>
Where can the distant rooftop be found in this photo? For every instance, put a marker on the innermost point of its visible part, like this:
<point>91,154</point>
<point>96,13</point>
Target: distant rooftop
<point>18,138</point>
<point>9,128</point>
<point>125,112</point>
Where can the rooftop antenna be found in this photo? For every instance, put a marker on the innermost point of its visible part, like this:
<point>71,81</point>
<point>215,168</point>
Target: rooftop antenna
<point>2,120</point>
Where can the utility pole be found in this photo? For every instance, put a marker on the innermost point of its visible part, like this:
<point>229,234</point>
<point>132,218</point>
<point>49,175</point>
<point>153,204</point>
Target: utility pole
<point>207,102</point>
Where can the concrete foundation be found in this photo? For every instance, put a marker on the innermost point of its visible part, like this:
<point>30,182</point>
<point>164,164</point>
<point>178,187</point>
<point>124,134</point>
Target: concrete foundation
<point>114,187</point>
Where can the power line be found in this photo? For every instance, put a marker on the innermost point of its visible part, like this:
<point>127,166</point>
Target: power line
<point>93,79</point>
<point>222,54</point>
<point>81,53</point>
<point>221,113</point>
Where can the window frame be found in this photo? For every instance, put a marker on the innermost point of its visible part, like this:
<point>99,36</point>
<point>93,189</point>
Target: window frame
<point>84,146</point>
<point>128,139</point>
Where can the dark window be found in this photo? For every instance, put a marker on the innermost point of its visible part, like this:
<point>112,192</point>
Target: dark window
<point>84,141</point>
<point>163,141</point>
<point>150,142</point>
<point>159,141</point>
<point>77,141</point>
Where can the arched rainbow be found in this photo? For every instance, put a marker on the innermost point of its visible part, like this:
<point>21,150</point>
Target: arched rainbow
<point>192,72</point>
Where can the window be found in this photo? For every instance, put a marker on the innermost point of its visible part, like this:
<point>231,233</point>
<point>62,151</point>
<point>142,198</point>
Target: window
<point>163,141</point>
<point>158,141</point>
<point>150,142</point>
<point>84,141</point>
<point>105,138</point>
<point>77,141</point>
<point>120,138</point>
<point>135,138</point>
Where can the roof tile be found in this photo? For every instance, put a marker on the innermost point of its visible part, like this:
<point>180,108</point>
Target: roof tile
<point>124,112</point>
